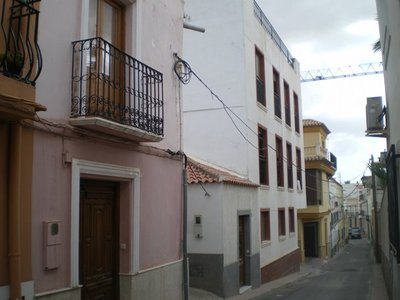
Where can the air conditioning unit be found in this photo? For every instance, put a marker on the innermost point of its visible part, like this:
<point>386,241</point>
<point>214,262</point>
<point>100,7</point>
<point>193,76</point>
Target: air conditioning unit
<point>374,113</point>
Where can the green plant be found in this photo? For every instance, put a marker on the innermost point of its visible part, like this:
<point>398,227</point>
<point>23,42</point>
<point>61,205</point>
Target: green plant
<point>379,171</point>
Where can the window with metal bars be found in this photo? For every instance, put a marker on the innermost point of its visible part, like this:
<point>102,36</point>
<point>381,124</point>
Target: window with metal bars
<point>279,161</point>
<point>263,156</point>
<point>260,77</point>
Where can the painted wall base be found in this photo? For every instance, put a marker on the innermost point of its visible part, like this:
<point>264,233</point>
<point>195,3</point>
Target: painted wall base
<point>162,283</point>
<point>64,294</point>
<point>207,272</point>
<point>26,291</point>
<point>283,266</point>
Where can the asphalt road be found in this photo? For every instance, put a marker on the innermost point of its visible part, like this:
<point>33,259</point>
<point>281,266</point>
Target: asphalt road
<point>346,276</point>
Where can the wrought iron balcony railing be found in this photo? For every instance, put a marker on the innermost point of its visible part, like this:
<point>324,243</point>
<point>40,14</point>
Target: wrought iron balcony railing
<point>108,83</point>
<point>259,14</point>
<point>20,55</point>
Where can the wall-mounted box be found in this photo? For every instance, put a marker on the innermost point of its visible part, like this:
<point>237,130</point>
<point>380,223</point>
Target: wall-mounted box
<point>52,244</point>
<point>198,227</point>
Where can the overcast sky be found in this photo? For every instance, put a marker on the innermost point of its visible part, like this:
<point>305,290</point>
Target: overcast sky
<point>326,33</point>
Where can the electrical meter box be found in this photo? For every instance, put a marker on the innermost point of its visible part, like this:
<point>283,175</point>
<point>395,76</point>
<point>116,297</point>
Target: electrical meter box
<point>52,244</point>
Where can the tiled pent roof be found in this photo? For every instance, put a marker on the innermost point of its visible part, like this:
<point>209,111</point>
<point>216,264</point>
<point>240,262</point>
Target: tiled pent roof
<point>198,172</point>
<point>315,123</point>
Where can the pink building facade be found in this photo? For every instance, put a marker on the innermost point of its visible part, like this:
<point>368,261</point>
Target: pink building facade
<point>106,196</point>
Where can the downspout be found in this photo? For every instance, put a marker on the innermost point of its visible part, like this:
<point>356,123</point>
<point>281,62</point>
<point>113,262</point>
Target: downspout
<point>14,238</point>
<point>184,241</point>
<point>374,203</point>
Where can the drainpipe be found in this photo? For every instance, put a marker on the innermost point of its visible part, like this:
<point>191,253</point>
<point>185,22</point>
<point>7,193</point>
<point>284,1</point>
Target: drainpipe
<point>184,242</point>
<point>374,203</point>
<point>14,239</point>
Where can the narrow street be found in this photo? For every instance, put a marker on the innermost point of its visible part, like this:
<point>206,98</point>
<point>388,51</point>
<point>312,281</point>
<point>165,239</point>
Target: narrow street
<point>349,275</point>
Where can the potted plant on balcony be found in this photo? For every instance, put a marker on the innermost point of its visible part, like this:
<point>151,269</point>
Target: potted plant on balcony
<point>12,63</point>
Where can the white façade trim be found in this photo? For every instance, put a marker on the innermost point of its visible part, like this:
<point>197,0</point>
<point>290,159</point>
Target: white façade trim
<point>120,173</point>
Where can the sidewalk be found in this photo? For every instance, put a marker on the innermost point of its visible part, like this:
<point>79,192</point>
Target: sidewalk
<point>311,267</point>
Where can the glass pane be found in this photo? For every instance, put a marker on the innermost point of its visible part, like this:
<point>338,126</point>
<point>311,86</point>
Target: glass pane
<point>109,23</point>
<point>92,18</point>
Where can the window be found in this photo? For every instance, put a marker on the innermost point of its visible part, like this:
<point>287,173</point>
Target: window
<point>289,159</point>
<point>260,78</point>
<point>296,113</point>
<point>287,103</point>
<point>277,94</point>
<point>298,165</point>
<point>263,156</point>
<point>279,161</point>
<point>314,187</point>
<point>265,225</point>
<point>106,21</point>
<point>291,219</point>
<point>281,222</point>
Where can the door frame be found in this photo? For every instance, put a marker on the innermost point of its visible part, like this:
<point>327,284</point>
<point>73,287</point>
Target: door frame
<point>84,168</point>
<point>246,214</point>
<point>115,215</point>
<point>316,225</point>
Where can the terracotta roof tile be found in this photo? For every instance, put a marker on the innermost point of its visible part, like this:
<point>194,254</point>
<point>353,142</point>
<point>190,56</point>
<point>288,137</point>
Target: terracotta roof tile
<point>315,123</point>
<point>199,172</point>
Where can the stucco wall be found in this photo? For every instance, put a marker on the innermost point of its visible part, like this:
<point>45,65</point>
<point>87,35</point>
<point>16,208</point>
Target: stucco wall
<point>160,233</point>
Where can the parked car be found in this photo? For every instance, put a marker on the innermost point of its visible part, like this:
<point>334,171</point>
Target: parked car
<point>355,233</point>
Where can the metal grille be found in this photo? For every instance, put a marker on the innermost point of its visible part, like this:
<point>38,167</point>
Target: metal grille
<point>108,83</point>
<point>277,103</point>
<point>20,55</point>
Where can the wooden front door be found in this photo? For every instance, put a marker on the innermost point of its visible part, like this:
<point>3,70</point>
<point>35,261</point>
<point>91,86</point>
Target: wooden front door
<point>98,254</point>
<point>311,239</point>
<point>242,251</point>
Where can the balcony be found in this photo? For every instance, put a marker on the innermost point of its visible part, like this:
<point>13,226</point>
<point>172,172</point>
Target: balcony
<point>319,158</point>
<point>315,151</point>
<point>20,55</point>
<point>20,59</point>
<point>115,93</point>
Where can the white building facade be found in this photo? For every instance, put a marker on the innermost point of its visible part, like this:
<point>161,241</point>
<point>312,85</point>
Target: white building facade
<point>388,216</point>
<point>242,60</point>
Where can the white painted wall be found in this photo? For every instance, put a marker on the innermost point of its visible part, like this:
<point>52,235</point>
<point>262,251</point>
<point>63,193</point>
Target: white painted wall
<point>211,211</point>
<point>224,58</point>
<point>236,198</point>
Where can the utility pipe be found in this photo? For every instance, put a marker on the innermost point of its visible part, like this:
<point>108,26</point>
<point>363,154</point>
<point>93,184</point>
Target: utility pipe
<point>14,238</point>
<point>184,242</point>
<point>193,27</point>
<point>374,203</point>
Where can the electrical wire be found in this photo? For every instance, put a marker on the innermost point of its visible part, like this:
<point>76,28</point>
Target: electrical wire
<point>185,76</point>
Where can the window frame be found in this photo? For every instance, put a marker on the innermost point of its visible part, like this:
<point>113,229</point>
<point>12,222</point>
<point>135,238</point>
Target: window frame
<point>299,169</point>
<point>265,225</point>
<point>277,93</point>
<point>314,187</point>
<point>292,227</point>
<point>281,222</point>
<point>263,159</point>
<point>260,77</point>
<point>279,162</point>
<point>289,165</point>
<point>296,112</point>
<point>286,93</point>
